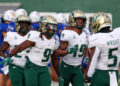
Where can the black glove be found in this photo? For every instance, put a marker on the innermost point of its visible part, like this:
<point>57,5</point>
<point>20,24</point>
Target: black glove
<point>87,79</point>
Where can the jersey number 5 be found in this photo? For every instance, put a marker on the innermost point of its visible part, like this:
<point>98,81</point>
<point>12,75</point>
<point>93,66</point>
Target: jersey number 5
<point>110,56</point>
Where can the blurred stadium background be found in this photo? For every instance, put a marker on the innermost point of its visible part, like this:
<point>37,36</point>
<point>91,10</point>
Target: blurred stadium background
<point>88,6</point>
<point>65,6</point>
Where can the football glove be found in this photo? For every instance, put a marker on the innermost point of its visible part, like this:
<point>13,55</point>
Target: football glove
<point>61,81</point>
<point>87,84</point>
<point>72,50</point>
<point>6,61</point>
<point>87,79</point>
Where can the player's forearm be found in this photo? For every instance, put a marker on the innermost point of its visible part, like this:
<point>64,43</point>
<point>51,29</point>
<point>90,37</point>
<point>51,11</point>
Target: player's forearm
<point>3,48</point>
<point>2,54</point>
<point>21,47</point>
<point>15,51</point>
<point>93,62</point>
<point>90,53</point>
<point>56,67</point>
<point>61,52</point>
<point>86,52</point>
<point>55,62</point>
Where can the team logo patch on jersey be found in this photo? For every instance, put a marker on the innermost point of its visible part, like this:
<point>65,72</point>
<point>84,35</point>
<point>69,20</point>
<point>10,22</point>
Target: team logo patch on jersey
<point>14,67</point>
<point>65,66</point>
<point>111,36</point>
<point>62,35</point>
<point>74,37</point>
<point>15,37</point>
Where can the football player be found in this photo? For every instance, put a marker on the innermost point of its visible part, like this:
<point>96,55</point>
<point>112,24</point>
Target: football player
<point>104,46</point>
<point>61,25</point>
<point>8,17</point>
<point>73,46</point>
<point>43,45</point>
<point>11,40</point>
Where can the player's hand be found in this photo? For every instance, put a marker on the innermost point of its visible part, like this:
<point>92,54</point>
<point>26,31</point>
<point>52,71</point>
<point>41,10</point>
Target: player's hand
<point>87,84</point>
<point>72,50</point>
<point>87,79</point>
<point>6,61</point>
<point>85,61</point>
<point>61,81</point>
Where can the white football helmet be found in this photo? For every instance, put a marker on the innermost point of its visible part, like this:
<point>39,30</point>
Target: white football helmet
<point>9,15</point>
<point>61,18</point>
<point>34,16</point>
<point>20,12</point>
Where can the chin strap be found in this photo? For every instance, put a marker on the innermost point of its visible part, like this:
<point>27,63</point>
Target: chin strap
<point>23,31</point>
<point>80,27</point>
<point>49,34</point>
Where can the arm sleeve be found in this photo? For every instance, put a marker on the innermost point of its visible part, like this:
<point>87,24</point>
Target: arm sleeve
<point>65,35</point>
<point>93,62</point>
<point>8,37</point>
<point>56,42</point>
<point>32,35</point>
<point>92,41</point>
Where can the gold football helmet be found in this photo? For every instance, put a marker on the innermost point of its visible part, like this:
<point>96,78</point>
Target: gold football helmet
<point>20,19</point>
<point>99,21</point>
<point>48,21</point>
<point>74,15</point>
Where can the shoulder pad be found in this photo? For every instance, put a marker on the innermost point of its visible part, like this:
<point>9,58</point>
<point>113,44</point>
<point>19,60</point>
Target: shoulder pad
<point>92,40</point>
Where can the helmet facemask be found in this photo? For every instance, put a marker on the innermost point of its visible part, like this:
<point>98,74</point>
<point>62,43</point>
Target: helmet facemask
<point>80,23</point>
<point>48,25</point>
<point>51,29</point>
<point>23,24</point>
<point>24,27</point>
<point>74,17</point>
